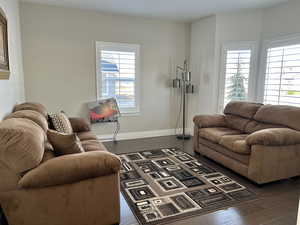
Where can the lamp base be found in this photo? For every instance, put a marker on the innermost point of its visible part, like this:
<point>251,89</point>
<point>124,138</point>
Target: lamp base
<point>184,136</point>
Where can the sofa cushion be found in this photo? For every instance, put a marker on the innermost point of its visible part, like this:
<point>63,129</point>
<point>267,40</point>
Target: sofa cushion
<point>31,115</point>
<point>61,123</point>
<point>79,124</point>
<point>93,145</point>
<point>83,136</point>
<point>214,134</point>
<point>244,159</point>
<point>48,154</point>
<point>243,109</point>
<point>64,144</point>
<point>21,144</point>
<point>31,106</point>
<point>236,122</point>
<point>288,116</point>
<point>236,143</point>
<point>254,126</point>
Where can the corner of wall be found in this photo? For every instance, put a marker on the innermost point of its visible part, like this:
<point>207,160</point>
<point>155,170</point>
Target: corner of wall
<point>12,89</point>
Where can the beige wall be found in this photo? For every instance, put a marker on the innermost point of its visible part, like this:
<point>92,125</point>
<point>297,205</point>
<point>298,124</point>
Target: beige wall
<point>59,60</point>
<point>208,35</point>
<point>12,90</point>
<point>203,38</point>
<point>246,25</point>
<point>242,26</point>
<point>281,20</point>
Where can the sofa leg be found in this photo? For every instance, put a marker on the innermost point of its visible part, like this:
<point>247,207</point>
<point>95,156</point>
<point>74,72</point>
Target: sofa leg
<point>297,178</point>
<point>200,155</point>
<point>3,220</point>
<point>197,153</point>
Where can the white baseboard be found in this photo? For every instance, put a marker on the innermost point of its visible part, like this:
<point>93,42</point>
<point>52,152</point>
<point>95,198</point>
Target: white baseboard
<point>138,135</point>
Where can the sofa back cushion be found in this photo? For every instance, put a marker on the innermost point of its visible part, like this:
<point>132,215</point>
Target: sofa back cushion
<point>21,144</point>
<point>31,106</point>
<point>254,126</point>
<point>35,116</point>
<point>243,109</point>
<point>236,122</point>
<point>280,115</point>
<point>9,179</point>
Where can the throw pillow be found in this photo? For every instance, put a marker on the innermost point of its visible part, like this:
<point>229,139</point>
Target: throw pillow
<point>61,123</point>
<point>63,143</point>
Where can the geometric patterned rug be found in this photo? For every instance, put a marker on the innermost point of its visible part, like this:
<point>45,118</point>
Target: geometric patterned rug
<point>165,185</point>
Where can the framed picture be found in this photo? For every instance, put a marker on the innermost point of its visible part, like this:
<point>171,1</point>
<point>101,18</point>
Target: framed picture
<point>4,57</point>
<point>105,110</point>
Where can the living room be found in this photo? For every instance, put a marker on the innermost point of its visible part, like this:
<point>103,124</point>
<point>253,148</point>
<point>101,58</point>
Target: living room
<point>205,100</point>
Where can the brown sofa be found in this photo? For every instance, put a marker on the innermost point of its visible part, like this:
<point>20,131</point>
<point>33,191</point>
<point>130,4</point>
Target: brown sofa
<point>260,142</point>
<point>39,188</point>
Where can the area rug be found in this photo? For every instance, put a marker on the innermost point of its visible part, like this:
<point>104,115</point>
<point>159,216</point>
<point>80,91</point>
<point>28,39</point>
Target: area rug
<point>165,185</point>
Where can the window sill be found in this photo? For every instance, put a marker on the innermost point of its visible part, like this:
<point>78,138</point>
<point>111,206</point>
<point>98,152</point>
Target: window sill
<point>126,114</point>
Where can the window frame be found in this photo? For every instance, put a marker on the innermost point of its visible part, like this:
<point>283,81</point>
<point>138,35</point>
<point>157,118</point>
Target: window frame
<point>236,46</point>
<point>282,41</point>
<point>115,46</point>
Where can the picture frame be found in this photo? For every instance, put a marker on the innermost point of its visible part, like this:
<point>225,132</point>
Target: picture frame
<point>4,54</point>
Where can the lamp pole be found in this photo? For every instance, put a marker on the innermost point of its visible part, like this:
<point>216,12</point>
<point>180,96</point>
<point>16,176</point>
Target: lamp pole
<point>186,80</point>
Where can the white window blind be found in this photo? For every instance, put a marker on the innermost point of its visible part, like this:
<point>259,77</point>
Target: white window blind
<point>118,74</point>
<point>282,80</point>
<point>237,72</point>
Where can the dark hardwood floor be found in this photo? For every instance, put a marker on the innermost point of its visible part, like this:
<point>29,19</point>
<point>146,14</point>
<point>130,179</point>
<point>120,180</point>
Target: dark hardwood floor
<point>277,203</point>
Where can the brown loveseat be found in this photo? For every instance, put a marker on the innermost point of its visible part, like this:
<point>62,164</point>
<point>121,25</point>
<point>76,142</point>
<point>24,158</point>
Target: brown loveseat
<point>260,142</point>
<point>38,188</point>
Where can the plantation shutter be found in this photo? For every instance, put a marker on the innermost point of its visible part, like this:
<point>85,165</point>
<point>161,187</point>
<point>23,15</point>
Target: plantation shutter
<point>118,77</point>
<point>282,80</point>
<point>237,72</point>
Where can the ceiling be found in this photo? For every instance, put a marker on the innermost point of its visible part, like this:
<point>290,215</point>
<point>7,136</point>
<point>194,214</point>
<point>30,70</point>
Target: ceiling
<point>179,10</point>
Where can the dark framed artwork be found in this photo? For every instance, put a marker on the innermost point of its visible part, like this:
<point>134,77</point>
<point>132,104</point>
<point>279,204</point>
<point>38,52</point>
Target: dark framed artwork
<point>4,56</point>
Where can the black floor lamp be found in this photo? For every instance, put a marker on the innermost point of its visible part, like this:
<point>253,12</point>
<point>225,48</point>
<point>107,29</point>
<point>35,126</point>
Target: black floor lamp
<point>183,82</point>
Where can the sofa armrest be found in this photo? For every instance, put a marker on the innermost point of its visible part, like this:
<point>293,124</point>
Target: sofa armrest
<point>79,124</point>
<point>271,163</point>
<point>274,137</point>
<point>71,168</point>
<point>203,121</point>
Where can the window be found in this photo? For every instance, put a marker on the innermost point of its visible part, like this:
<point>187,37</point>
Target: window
<point>118,73</point>
<point>235,74</point>
<point>282,75</point>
